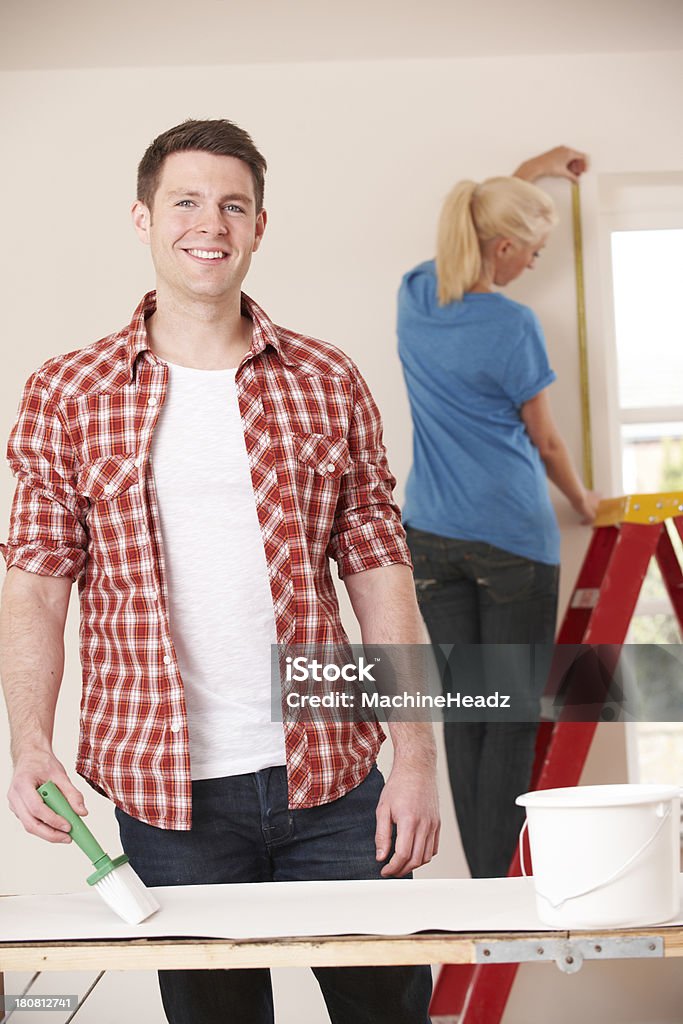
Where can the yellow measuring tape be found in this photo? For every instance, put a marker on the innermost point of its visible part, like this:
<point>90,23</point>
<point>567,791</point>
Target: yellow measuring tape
<point>583,346</point>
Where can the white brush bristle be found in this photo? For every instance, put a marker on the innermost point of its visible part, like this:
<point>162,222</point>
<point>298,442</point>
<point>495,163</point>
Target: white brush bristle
<point>123,890</point>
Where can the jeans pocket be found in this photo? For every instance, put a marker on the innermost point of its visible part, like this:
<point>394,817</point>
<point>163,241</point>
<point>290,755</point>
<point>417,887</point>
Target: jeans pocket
<point>511,578</point>
<point>428,564</point>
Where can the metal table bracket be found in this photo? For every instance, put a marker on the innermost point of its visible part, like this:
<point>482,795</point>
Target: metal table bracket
<point>569,953</point>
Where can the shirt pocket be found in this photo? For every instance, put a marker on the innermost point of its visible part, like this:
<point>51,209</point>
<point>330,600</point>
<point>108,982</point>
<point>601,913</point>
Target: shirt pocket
<point>115,519</point>
<point>323,454</point>
<point>320,463</point>
<point>106,478</point>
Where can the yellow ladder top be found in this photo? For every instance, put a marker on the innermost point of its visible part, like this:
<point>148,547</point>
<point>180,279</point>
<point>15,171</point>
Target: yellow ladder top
<point>639,508</point>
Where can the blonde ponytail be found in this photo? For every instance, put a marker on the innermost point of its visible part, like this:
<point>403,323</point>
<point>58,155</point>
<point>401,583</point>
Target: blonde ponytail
<point>473,214</point>
<point>458,253</point>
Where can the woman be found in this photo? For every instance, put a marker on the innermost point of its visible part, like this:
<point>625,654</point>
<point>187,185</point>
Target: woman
<point>480,524</point>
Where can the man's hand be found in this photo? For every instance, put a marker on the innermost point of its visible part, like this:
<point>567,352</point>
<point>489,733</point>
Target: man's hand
<point>560,162</point>
<point>409,801</point>
<point>36,817</point>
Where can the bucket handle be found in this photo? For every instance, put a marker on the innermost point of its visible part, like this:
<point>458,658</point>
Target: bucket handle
<point>525,829</point>
<point>600,885</point>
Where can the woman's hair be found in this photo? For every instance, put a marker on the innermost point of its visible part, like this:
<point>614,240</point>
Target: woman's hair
<point>473,214</point>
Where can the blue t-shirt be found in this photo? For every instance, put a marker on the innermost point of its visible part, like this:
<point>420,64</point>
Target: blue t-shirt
<point>469,366</point>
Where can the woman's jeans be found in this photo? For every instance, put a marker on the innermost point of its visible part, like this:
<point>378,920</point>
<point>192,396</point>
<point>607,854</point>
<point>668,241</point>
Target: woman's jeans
<point>242,831</point>
<point>471,593</point>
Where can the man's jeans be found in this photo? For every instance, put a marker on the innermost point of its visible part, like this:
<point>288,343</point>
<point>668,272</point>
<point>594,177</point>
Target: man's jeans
<point>471,593</point>
<point>242,831</point>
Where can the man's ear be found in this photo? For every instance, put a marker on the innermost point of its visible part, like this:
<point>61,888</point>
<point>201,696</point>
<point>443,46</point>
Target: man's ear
<point>142,219</point>
<point>261,221</point>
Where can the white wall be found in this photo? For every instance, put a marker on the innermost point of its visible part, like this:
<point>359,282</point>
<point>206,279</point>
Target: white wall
<point>360,156</point>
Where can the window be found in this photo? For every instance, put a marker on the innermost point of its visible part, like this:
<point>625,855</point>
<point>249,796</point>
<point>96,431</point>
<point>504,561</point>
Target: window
<point>648,321</point>
<point>644,219</point>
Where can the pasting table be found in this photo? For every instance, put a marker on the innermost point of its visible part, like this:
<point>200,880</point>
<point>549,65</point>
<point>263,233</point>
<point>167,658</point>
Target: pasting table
<point>567,949</point>
<point>295,924</point>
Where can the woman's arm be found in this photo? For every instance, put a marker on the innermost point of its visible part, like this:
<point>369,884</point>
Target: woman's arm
<point>542,429</point>
<point>560,162</point>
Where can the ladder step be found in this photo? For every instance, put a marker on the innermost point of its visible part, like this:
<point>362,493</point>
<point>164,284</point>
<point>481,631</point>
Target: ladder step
<point>585,597</point>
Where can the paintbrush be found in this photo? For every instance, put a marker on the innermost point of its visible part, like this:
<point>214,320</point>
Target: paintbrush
<point>116,882</point>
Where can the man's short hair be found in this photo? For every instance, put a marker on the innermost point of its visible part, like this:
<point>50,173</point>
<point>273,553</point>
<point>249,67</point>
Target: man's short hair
<point>220,136</point>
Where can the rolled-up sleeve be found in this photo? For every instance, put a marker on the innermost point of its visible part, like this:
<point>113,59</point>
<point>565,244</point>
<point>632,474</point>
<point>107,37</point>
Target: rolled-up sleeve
<point>367,532</point>
<point>46,531</point>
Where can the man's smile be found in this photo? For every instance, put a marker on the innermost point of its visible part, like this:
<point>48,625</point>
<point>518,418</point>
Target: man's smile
<point>207,254</point>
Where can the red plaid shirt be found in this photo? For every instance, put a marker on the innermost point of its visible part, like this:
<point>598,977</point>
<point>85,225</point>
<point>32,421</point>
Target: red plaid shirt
<point>85,507</point>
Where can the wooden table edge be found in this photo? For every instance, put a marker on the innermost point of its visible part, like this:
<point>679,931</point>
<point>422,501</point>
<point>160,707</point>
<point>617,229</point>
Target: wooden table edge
<point>309,951</point>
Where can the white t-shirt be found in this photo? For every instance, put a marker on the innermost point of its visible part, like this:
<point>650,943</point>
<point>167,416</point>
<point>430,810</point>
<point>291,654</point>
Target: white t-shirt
<point>220,605</point>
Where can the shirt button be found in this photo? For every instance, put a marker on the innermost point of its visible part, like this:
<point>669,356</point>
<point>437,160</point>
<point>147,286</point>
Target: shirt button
<point>152,401</point>
<point>108,488</point>
<point>167,659</point>
<point>331,467</point>
<point>175,726</point>
<point>138,461</point>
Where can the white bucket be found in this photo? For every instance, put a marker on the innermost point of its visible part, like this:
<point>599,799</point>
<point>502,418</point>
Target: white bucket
<point>604,856</point>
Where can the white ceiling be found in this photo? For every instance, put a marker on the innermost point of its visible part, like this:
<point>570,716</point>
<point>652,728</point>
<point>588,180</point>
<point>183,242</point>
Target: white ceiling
<point>101,33</point>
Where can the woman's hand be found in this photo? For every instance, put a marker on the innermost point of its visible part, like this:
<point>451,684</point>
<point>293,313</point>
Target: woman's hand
<point>587,508</point>
<point>560,162</point>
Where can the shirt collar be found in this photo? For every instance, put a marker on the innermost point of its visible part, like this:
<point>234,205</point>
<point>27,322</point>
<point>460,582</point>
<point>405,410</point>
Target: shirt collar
<point>265,333</point>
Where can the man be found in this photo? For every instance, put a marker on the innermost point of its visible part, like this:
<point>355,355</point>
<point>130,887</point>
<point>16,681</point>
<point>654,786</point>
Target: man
<point>194,472</point>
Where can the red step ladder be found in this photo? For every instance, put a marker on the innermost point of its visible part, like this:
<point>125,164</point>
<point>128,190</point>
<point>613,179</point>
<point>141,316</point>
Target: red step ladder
<point>627,533</point>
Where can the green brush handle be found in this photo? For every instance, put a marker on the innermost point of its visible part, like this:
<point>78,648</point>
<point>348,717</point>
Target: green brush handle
<point>80,833</point>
